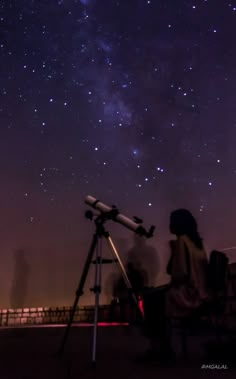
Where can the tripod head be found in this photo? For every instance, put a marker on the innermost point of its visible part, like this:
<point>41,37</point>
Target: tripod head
<point>112,213</point>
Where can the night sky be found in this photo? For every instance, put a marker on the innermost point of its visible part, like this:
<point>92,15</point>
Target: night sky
<point>130,101</point>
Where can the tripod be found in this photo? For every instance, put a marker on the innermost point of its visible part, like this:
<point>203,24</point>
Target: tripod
<point>98,235</point>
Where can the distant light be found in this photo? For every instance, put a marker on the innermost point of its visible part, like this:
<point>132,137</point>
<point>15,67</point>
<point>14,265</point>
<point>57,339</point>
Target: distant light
<point>149,204</point>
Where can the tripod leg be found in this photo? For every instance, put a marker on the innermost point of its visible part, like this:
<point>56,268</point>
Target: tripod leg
<point>97,291</point>
<point>123,272</point>
<point>79,292</point>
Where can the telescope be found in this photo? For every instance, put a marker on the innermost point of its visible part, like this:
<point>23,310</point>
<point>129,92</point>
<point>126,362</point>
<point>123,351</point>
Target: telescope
<point>112,213</point>
<point>106,213</point>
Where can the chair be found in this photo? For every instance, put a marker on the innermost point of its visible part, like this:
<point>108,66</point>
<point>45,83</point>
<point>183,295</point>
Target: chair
<point>211,312</point>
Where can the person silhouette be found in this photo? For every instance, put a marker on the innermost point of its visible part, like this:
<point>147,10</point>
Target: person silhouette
<point>187,289</point>
<point>20,280</point>
<point>187,266</point>
<point>124,297</point>
<point>144,258</point>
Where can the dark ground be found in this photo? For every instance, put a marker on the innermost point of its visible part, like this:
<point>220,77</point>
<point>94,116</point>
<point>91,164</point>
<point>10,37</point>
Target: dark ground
<point>30,353</point>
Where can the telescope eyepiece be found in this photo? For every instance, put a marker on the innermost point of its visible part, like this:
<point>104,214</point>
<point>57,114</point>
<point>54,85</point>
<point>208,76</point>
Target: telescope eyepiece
<point>138,220</point>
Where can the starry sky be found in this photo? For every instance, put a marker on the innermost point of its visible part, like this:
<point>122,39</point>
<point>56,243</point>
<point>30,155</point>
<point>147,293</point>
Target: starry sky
<point>130,101</point>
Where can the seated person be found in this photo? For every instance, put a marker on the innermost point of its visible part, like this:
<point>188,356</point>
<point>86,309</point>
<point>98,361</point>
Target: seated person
<point>187,288</point>
<point>137,277</point>
<point>187,266</point>
<point>121,295</point>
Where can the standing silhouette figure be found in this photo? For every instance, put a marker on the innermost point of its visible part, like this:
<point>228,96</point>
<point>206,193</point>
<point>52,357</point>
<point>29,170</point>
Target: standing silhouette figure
<point>20,280</point>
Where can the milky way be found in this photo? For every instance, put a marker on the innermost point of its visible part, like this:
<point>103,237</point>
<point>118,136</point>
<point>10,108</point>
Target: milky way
<point>132,102</point>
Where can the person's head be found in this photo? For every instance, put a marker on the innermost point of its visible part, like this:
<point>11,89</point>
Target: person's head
<point>138,240</point>
<point>19,255</point>
<point>182,222</point>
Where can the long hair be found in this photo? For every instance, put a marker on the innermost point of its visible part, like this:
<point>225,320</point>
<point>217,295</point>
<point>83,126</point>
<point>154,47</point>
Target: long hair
<point>182,222</point>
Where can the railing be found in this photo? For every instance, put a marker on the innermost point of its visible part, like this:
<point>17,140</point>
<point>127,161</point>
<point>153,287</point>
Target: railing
<point>51,315</point>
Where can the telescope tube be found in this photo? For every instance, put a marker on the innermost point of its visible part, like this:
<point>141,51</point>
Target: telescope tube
<point>115,215</point>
